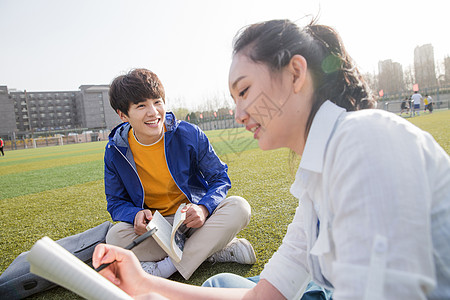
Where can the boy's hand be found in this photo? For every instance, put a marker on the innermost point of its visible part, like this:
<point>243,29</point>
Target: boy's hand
<point>195,215</point>
<point>141,220</point>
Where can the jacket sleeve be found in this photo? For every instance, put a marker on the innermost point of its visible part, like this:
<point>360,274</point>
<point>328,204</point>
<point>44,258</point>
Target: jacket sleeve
<point>120,205</point>
<point>214,172</point>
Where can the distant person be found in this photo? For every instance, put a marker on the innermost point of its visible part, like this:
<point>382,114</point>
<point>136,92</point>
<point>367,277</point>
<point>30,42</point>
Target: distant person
<point>2,143</point>
<point>404,106</point>
<point>354,232</point>
<point>411,106</point>
<point>417,99</point>
<point>155,162</point>
<point>429,103</point>
<point>425,103</point>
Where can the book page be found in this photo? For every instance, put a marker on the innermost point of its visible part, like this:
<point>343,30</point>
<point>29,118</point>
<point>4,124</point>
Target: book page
<point>54,263</point>
<point>169,238</point>
<point>164,232</point>
<point>178,237</point>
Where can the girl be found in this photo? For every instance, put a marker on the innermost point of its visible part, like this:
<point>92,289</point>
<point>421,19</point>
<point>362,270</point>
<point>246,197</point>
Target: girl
<point>354,231</point>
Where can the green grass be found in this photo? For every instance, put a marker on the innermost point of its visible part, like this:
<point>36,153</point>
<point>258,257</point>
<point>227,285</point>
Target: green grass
<point>438,124</point>
<point>58,191</point>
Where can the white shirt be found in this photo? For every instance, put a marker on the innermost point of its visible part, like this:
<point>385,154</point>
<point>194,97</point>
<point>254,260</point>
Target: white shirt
<point>416,97</point>
<point>381,189</point>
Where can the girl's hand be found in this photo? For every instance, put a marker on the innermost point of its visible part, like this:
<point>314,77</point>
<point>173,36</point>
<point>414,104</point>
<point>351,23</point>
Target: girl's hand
<point>124,271</point>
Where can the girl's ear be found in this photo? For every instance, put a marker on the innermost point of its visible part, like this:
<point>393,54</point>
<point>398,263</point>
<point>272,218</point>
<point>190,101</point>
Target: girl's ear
<point>298,67</point>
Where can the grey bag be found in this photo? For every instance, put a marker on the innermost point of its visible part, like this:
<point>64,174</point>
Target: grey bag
<point>17,282</point>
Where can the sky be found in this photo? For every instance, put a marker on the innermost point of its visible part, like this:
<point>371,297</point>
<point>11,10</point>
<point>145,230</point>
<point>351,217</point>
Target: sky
<point>59,45</point>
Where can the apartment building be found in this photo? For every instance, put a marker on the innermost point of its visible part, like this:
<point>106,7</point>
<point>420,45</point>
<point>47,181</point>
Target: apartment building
<point>23,113</point>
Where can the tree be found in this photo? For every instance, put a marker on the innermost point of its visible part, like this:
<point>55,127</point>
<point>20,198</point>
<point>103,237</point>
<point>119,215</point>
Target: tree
<point>372,81</point>
<point>178,107</point>
<point>408,75</point>
<point>447,70</point>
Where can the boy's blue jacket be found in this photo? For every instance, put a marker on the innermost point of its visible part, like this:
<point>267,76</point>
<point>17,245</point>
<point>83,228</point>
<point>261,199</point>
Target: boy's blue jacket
<point>191,160</point>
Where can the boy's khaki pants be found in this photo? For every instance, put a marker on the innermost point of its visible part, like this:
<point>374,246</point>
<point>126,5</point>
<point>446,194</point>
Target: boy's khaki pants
<point>230,217</point>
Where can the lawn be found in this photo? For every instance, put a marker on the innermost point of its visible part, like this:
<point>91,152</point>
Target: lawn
<point>58,191</point>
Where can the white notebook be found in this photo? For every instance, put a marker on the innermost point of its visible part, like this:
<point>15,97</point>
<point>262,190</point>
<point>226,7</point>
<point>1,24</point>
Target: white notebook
<point>54,263</point>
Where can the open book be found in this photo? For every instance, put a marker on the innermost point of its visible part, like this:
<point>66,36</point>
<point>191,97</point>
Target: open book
<point>54,263</point>
<point>170,238</point>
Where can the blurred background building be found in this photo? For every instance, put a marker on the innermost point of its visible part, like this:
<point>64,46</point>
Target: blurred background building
<point>26,113</point>
<point>424,67</point>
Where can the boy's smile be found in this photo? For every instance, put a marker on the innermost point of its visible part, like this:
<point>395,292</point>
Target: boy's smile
<point>147,120</point>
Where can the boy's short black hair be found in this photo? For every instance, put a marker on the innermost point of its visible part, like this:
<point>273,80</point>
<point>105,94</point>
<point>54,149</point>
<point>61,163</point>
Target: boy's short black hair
<point>134,87</point>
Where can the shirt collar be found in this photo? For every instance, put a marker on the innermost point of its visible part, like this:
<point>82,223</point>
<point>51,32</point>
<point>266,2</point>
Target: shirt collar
<point>320,132</point>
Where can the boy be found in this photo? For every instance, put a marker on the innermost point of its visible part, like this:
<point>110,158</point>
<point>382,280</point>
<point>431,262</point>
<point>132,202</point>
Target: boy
<point>154,162</point>
<point>417,99</point>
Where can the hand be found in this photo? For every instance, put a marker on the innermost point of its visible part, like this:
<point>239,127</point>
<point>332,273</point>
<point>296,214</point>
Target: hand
<point>195,215</point>
<point>125,270</point>
<point>141,220</point>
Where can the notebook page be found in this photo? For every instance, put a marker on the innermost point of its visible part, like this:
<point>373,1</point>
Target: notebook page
<point>52,262</point>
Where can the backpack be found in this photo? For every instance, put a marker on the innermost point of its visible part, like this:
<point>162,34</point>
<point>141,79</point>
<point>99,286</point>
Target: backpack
<point>17,282</point>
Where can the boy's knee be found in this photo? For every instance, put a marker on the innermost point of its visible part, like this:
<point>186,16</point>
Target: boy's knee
<point>239,208</point>
<point>120,234</point>
<point>240,203</point>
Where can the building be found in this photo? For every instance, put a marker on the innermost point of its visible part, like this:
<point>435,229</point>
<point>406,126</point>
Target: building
<point>447,70</point>
<point>44,111</point>
<point>424,66</point>
<point>7,114</point>
<point>390,77</point>
<point>94,108</point>
<point>30,113</point>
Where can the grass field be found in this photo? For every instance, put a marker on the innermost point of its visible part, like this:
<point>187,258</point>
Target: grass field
<point>58,191</point>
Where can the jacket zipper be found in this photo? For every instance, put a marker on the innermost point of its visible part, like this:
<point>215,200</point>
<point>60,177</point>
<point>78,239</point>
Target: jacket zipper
<point>135,171</point>
<point>170,172</point>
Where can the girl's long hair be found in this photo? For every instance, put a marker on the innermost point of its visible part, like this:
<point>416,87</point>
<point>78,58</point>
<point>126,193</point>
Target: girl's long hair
<point>335,76</point>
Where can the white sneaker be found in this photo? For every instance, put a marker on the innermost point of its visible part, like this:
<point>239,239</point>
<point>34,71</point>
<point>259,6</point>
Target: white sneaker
<point>151,268</point>
<point>160,269</point>
<point>238,250</point>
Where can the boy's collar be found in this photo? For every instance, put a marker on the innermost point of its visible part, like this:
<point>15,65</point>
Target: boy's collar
<point>171,121</point>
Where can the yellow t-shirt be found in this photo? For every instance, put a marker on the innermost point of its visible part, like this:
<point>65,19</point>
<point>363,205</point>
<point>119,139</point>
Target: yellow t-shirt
<point>161,191</point>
